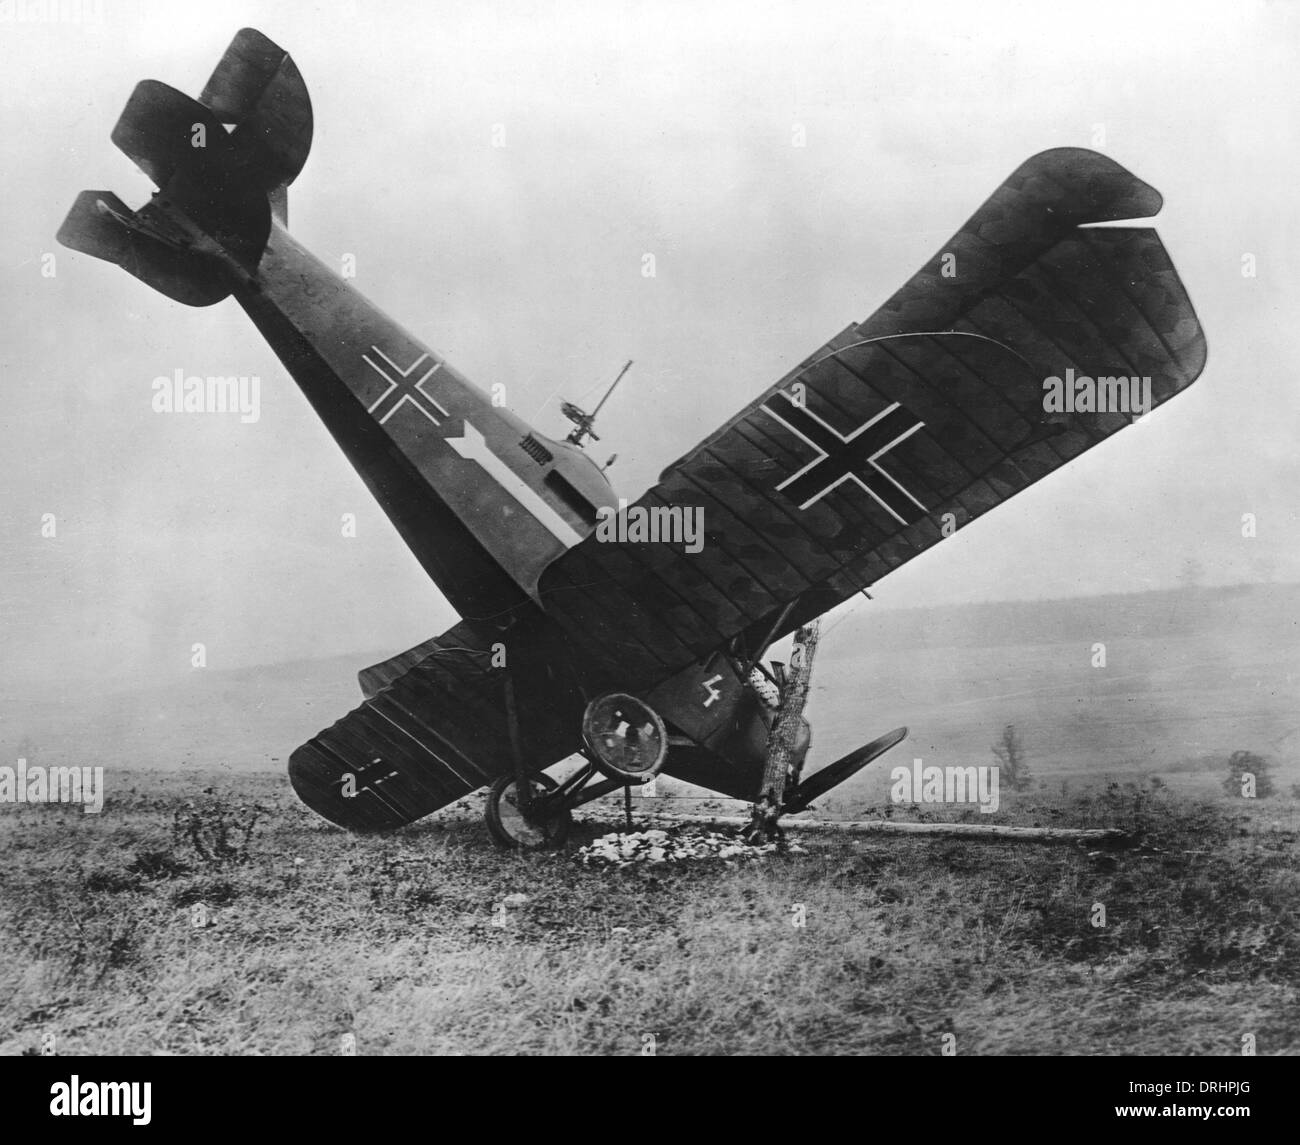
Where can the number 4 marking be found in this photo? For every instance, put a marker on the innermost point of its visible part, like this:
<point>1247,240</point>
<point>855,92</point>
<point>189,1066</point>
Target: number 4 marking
<point>714,693</point>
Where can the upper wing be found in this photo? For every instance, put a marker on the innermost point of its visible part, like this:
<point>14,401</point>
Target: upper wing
<point>848,467</point>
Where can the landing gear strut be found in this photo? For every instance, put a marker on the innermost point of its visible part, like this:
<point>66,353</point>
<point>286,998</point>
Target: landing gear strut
<point>539,816</point>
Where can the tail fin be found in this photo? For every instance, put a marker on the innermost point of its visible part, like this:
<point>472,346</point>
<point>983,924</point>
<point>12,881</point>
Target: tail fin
<point>205,230</point>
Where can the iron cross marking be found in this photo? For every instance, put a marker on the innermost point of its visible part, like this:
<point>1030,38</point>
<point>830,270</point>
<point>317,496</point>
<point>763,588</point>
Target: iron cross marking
<point>855,458</point>
<point>402,390</point>
<point>369,778</point>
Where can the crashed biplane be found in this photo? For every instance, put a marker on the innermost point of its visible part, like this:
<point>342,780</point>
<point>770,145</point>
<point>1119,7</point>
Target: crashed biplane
<point>644,655</point>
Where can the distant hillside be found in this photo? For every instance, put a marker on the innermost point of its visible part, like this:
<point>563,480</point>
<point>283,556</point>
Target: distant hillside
<point>237,717</point>
<point>1189,673</point>
<point>1168,613</point>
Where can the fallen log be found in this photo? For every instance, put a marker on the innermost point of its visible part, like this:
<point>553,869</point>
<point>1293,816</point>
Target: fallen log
<point>1106,836</point>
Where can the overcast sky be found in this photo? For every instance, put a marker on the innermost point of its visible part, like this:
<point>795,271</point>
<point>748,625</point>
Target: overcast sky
<point>628,129</point>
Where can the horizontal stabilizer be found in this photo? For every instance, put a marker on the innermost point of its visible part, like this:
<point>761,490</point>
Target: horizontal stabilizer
<point>100,224</point>
<point>94,226</point>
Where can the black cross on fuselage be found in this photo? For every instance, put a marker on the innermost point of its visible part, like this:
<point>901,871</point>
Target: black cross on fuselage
<point>854,458</point>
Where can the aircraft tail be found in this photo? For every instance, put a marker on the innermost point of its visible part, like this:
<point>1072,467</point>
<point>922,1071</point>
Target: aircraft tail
<point>204,231</point>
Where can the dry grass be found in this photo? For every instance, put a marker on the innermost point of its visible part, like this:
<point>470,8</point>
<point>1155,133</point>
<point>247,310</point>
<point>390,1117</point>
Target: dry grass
<point>312,935</point>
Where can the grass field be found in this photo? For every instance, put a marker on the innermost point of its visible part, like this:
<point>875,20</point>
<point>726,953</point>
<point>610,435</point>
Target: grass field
<point>128,932</point>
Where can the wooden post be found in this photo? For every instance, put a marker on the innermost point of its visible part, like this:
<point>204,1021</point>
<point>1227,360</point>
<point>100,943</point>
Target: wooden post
<point>781,741</point>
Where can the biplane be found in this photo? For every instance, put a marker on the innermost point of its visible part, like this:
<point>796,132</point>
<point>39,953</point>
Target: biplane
<point>642,654</point>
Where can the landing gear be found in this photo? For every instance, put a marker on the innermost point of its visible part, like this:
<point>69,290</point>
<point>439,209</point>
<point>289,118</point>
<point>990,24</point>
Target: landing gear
<point>541,824</point>
<point>528,811</point>
<point>540,816</point>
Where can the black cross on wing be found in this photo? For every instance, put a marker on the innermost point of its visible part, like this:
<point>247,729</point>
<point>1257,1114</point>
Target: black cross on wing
<point>853,458</point>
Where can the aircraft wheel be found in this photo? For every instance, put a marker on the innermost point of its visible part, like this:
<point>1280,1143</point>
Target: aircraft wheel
<point>507,825</point>
<point>626,737</point>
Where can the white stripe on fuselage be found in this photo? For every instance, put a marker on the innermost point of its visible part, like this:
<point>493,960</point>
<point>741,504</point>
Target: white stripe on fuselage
<point>474,447</point>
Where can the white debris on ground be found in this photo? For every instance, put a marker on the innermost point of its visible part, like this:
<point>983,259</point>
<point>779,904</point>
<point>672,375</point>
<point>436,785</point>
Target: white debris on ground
<point>673,846</point>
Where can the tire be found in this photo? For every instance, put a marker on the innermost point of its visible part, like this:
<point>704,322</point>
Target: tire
<point>511,830</point>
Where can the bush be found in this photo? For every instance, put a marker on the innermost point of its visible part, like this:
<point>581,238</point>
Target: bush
<point>1010,753</point>
<point>218,834</point>
<point>1243,763</point>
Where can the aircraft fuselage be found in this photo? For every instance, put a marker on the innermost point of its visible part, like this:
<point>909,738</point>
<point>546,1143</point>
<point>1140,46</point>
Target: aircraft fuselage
<point>484,502</point>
